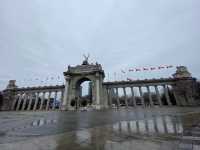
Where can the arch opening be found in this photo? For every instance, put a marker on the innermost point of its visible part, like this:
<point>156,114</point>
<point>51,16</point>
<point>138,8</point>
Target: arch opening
<point>83,93</point>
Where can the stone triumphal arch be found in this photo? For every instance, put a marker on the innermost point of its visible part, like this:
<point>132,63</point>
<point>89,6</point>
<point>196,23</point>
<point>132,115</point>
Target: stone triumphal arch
<point>180,90</point>
<point>74,76</point>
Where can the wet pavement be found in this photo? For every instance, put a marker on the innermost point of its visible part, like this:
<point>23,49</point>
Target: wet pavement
<point>135,128</point>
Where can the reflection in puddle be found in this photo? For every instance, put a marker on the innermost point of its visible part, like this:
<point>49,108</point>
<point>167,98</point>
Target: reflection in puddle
<point>118,136</point>
<point>155,125</point>
<point>165,130</point>
<point>42,122</point>
<point>83,137</point>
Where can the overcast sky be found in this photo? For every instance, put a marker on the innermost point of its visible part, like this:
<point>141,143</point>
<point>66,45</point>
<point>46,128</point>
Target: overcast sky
<point>39,38</point>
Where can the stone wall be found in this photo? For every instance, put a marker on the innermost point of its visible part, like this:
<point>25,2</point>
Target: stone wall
<point>186,91</point>
<point>8,96</point>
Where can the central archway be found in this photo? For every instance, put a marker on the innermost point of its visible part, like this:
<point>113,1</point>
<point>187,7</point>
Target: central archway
<point>73,94</point>
<point>83,94</point>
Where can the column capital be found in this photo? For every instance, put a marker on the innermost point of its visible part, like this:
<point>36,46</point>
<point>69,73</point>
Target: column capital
<point>67,77</point>
<point>97,74</point>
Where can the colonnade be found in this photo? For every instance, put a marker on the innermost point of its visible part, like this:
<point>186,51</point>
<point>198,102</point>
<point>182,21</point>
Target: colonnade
<point>132,99</point>
<point>39,100</point>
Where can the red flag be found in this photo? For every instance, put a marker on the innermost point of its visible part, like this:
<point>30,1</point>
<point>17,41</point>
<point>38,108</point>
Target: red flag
<point>161,67</point>
<point>170,66</point>
<point>131,70</point>
<point>153,68</point>
<point>137,69</point>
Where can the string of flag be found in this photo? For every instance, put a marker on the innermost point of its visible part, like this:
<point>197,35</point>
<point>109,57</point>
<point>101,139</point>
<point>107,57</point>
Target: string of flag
<point>147,69</point>
<point>42,80</point>
<point>48,79</point>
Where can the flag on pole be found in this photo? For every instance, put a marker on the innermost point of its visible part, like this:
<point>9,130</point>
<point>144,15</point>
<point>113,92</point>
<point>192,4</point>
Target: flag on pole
<point>115,76</point>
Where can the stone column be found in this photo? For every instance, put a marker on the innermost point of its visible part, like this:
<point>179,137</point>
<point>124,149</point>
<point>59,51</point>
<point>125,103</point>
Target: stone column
<point>54,102</point>
<point>97,93</point>
<point>126,102</point>
<point>141,96</point>
<point>42,101</point>
<point>176,98</point>
<point>24,102</point>
<point>36,101</point>
<point>158,95</point>
<point>61,101</point>
<point>167,95</point>
<point>150,97</point>
<point>117,95</point>
<point>110,97</point>
<point>15,101</point>
<point>19,102</point>
<point>66,102</point>
<point>30,101</point>
<point>48,101</point>
<point>133,97</point>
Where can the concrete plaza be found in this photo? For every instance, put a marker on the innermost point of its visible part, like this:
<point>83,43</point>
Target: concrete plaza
<point>136,128</point>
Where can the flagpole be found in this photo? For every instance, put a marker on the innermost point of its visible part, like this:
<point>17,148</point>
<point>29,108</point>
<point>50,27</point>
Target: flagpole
<point>115,76</point>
